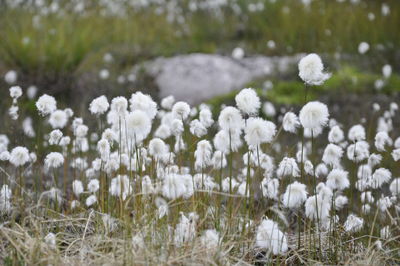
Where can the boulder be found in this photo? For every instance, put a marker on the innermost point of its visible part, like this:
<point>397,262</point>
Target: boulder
<point>198,77</point>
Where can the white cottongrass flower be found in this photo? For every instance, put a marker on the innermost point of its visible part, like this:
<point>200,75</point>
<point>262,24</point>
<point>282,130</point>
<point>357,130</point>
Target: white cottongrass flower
<point>15,92</point>
<point>185,230</point>
<point>93,185</point>
<point>358,151</point>
<point>168,102</point>
<point>321,170</point>
<point>385,232</point>
<point>147,186</point>
<point>321,212</point>
<point>5,156</point>
<point>336,135</point>
<point>46,104</point>
<point>387,71</point>
<point>363,47</point>
<point>288,167</point>
<point>50,240</point>
<point>99,105</point>
<point>295,195</point>
<point>210,239</point>
<point>197,128</point>
<point>19,156</point>
<point>271,238</point>
<point>395,187</point>
<point>219,160</point>
<point>77,187</point>
<point>64,141</point>
<point>205,117</point>
<point>162,207</point>
<point>374,159</point>
<point>53,160</point>
<point>224,142</point>
<point>120,186</point>
<point>269,109</point>
<point>203,154</point>
<point>58,119</point>
<point>356,133</point>
<point>396,154</point>
<point>75,204</point>
<point>27,126</point>
<point>138,125</point>
<point>55,195</point>
<point>382,139</point>
<point>181,110</point>
<point>290,122</point>
<point>384,203</point>
<point>270,188</point>
<point>366,208</point>
<point>91,200</point>
<point>309,167</point>
<point>157,148</point>
<point>175,186</point>
<point>340,202</point>
<point>143,102</point>
<point>177,127</point>
<point>11,77</point>
<point>103,147</point>
<point>5,199</point>
<point>311,70</point>
<point>230,119</point>
<point>259,131</point>
<point>81,131</point>
<point>247,101</point>
<point>314,115</point>
<point>332,155</point>
<point>353,223</point>
<point>119,105</point>
<point>338,179</point>
<point>366,197</point>
<point>381,176</point>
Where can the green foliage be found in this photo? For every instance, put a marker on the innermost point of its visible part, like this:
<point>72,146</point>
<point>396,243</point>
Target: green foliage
<point>61,43</point>
<point>347,79</point>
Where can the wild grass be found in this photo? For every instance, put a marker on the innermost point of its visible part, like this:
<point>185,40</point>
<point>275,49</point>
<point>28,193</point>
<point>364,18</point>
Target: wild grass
<point>47,222</point>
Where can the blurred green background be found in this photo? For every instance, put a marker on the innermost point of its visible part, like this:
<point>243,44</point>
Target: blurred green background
<point>60,46</point>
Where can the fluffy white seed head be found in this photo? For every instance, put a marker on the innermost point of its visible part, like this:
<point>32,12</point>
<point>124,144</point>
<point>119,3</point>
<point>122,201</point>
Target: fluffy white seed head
<point>356,133</point>
<point>77,187</point>
<point>338,179</point>
<point>19,156</point>
<point>295,195</point>
<point>230,119</point>
<point>290,122</point>
<point>58,119</point>
<point>248,102</point>
<point>46,104</point>
<point>270,237</point>
<point>259,131</point>
<point>314,115</point>
<point>181,110</point>
<point>311,70</point>
<point>99,105</point>
<point>143,102</point>
<point>53,160</point>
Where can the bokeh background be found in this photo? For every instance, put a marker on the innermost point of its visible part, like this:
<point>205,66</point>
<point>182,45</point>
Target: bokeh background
<point>198,50</point>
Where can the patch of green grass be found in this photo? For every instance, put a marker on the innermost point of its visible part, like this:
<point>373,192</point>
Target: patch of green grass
<point>347,79</point>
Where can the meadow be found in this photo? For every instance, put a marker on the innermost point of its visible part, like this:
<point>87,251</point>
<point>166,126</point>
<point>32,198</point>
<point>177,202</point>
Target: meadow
<point>300,168</point>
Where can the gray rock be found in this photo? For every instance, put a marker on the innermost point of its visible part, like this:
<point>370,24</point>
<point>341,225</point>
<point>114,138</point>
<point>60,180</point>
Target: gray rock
<point>198,77</point>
